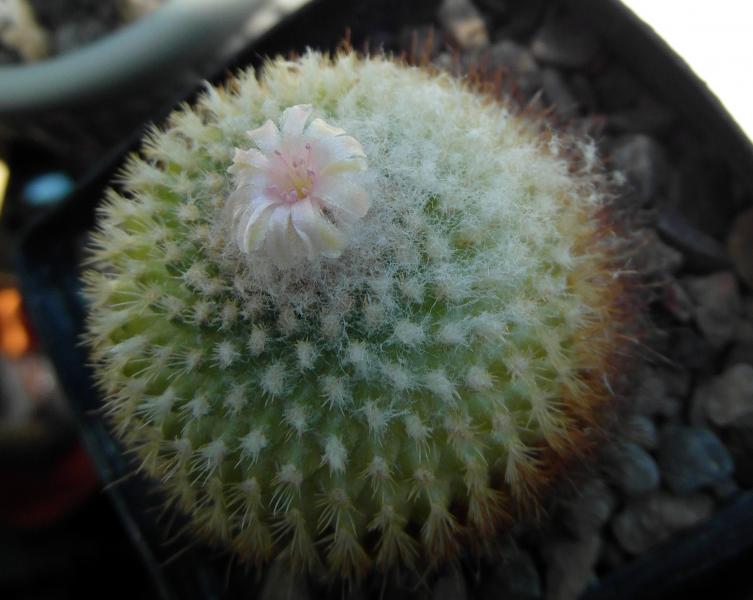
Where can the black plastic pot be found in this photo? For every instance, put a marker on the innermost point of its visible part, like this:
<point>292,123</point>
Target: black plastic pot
<point>690,565</point>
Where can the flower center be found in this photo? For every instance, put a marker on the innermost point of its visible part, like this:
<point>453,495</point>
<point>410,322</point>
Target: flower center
<point>296,176</point>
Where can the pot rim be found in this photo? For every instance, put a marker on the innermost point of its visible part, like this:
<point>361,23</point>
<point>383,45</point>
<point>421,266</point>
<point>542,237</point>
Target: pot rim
<point>176,33</point>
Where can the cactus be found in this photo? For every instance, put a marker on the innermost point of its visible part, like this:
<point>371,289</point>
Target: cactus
<point>354,313</point>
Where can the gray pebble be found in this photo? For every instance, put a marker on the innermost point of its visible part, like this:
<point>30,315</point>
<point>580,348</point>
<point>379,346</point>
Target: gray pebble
<point>640,430</point>
<point>725,489</point>
<point>612,555</point>
<point>651,397</point>
<point>516,19</point>
<point>718,306</point>
<point>691,458</point>
<point>676,381</point>
<point>742,351</point>
<point>677,301</point>
<point>463,23</point>
<point>641,159</point>
<point>744,333</point>
<point>450,586</point>
<point>651,118</point>
<point>631,469</point>
<point>649,521</point>
<point>558,94</point>
<point>690,349</point>
<point>570,566</point>
<point>698,189</point>
<point>696,408</point>
<point>564,42</point>
<point>521,64</point>
<point>515,578</point>
<point>590,509</point>
<point>703,254</point>
<point>653,258</point>
<point>740,246</point>
<point>740,444</point>
<point>727,400</point>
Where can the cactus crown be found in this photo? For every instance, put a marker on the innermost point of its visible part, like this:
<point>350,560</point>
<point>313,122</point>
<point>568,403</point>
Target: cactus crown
<point>366,331</point>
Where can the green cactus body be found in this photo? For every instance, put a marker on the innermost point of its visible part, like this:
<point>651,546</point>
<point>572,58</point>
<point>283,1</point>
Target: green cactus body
<point>394,376</point>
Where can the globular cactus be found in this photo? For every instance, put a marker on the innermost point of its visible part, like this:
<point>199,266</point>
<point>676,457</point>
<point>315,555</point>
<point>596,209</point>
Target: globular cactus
<point>354,313</point>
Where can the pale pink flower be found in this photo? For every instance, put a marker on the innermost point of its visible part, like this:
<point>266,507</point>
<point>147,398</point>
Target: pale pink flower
<point>296,195</point>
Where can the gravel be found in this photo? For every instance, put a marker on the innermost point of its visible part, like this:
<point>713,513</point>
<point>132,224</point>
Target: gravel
<point>463,24</point>
<point>676,301</point>
<point>703,253</point>
<point>570,566</point>
<point>642,160</point>
<point>631,469</point>
<point>648,521</point>
<point>590,509</point>
<point>651,396</point>
<point>641,430</point>
<point>740,245</point>
<point>690,350</point>
<point>564,42</point>
<point>727,400</point>
<point>691,458</point>
<point>558,94</point>
<point>519,62</point>
<point>718,306</point>
<point>654,258</point>
<point>515,577</point>
<point>685,443</point>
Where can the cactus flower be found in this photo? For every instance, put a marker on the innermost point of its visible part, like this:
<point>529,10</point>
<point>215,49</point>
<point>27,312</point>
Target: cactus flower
<point>295,195</point>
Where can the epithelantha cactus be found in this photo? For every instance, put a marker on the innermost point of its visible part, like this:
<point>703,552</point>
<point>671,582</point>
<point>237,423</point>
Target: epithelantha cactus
<point>354,313</point>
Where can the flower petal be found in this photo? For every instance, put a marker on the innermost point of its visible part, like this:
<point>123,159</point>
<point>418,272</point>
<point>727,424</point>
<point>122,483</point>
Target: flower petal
<point>266,137</point>
<point>280,244</point>
<point>294,119</point>
<point>251,237</point>
<point>324,237</point>
<point>337,148</point>
<point>344,166</point>
<point>338,154</point>
<point>336,192</point>
<point>318,129</point>
<point>252,183</point>
<point>248,159</point>
<point>249,221</point>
